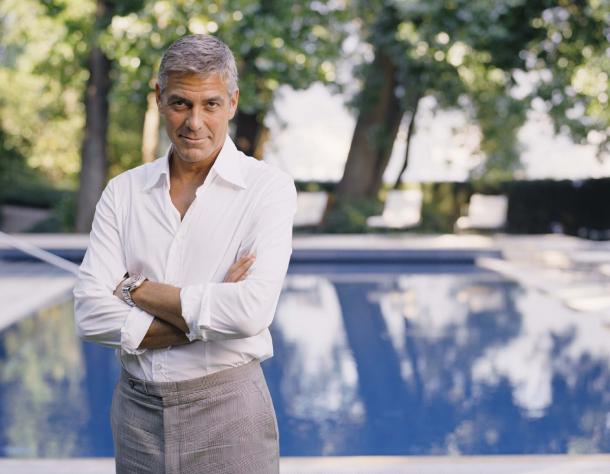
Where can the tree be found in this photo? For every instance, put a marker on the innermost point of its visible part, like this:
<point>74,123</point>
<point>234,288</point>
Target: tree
<point>380,113</point>
<point>94,161</point>
<point>467,54</point>
<point>424,45</point>
<point>40,86</point>
<point>94,157</point>
<point>107,51</point>
<point>572,67</point>
<point>62,53</point>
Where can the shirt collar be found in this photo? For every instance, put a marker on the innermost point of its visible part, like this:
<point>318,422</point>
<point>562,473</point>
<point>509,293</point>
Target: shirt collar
<point>227,166</point>
<point>157,169</point>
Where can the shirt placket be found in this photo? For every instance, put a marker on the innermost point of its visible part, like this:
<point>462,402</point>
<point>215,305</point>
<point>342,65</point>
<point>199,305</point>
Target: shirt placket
<point>173,267</point>
<point>159,356</point>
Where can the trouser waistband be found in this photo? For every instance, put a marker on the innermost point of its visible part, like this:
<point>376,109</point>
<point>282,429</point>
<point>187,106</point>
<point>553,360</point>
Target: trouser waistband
<point>163,389</point>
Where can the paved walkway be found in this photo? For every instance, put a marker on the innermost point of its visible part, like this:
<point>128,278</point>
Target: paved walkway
<point>596,464</point>
<point>404,241</point>
<point>26,287</point>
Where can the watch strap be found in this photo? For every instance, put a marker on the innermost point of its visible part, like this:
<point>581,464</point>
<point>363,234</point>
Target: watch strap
<point>131,284</point>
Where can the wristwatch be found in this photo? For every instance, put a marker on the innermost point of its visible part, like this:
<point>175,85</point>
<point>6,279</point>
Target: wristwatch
<point>129,285</point>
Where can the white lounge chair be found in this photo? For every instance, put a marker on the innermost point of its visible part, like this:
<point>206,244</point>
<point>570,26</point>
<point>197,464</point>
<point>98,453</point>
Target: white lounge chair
<point>310,208</point>
<point>402,210</point>
<point>485,212</point>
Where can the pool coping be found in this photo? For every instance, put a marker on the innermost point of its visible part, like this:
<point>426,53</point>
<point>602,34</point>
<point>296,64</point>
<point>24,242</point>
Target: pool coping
<point>322,248</point>
<point>505,464</point>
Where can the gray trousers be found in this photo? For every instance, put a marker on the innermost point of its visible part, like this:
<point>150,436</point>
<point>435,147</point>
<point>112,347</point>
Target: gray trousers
<point>223,423</point>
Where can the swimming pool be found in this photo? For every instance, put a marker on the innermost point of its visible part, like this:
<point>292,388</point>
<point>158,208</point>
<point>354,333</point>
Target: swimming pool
<point>370,358</point>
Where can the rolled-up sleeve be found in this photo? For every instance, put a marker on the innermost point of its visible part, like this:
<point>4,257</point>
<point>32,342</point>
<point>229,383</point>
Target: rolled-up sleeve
<point>216,311</point>
<point>100,316</point>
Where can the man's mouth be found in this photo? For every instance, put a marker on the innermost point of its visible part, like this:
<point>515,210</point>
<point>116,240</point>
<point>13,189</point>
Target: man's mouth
<point>193,139</point>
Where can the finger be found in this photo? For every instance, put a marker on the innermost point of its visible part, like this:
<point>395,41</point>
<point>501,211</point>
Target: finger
<point>246,257</point>
<point>244,262</point>
<point>243,273</point>
<point>239,273</point>
<point>241,265</point>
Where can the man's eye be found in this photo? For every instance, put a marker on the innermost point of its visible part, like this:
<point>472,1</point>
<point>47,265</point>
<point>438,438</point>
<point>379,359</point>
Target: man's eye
<point>179,103</point>
<point>213,105</point>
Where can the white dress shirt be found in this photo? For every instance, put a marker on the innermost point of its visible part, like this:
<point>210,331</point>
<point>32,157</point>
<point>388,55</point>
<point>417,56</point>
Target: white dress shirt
<point>243,206</point>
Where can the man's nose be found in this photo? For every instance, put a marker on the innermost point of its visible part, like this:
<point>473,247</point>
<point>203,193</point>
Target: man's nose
<point>195,120</point>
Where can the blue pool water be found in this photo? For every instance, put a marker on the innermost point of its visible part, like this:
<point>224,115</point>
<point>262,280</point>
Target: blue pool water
<point>370,359</point>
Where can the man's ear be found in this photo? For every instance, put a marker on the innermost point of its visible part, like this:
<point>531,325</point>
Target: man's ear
<point>234,100</point>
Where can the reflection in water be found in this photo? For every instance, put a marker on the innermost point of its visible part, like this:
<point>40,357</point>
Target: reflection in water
<point>314,372</point>
<point>41,375</point>
<point>445,363</point>
<point>385,363</point>
<point>55,391</point>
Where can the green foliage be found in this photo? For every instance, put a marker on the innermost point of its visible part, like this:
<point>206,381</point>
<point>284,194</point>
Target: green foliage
<point>467,54</point>
<point>349,216</point>
<point>439,208</point>
<point>275,42</point>
<point>459,52</point>
<point>574,68</point>
<point>63,217</point>
<point>41,86</point>
<point>45,45</point>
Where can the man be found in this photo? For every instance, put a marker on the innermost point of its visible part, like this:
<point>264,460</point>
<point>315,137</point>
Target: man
<point>185,265</point>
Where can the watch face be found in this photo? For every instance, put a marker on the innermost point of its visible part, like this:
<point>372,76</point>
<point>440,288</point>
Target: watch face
<point>138,280</point>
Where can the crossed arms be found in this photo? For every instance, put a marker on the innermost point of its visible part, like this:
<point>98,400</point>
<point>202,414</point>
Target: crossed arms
<point>235,308</point>
<point>169,328</point>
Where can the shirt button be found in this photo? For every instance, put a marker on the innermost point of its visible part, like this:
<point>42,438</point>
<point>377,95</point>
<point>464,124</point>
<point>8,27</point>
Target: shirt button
<point>158,366</point>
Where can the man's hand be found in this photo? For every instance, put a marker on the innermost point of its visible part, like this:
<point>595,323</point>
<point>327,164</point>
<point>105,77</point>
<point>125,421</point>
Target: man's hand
<point>239,270</point>
<point>161,335</point>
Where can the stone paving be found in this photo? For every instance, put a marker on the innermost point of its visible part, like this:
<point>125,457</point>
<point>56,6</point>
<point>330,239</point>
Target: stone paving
<point>28,286</point>
<point>572,270</point>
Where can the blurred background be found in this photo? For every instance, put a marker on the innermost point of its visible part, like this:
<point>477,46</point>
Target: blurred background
<point>351,98</point>
<point>448,292</point>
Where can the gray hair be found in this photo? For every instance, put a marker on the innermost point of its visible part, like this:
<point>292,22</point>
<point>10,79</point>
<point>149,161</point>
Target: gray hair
<point>199,54</point>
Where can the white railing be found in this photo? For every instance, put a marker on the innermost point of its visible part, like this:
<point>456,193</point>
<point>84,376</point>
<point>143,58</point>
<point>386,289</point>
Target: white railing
<point>39,253</point>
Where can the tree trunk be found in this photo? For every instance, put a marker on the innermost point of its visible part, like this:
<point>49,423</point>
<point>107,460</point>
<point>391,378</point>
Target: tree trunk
<point>374,134</point>
<point>150,131</point>
<point>250,135</point>
<point>94,161</point>
<point>263,138</point>
<point>410,131</point>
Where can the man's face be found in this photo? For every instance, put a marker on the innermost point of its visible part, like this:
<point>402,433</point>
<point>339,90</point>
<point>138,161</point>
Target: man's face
<point>197,110</point>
